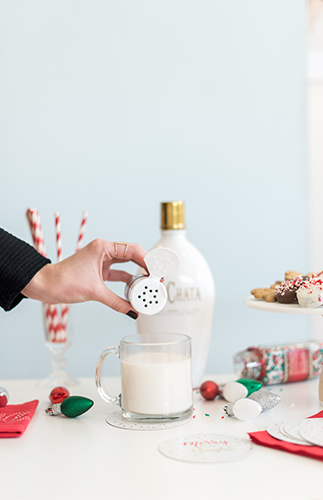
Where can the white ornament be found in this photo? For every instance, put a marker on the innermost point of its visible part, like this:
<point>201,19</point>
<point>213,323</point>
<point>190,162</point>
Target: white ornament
<point>233,391</point>
<point>246,409</point>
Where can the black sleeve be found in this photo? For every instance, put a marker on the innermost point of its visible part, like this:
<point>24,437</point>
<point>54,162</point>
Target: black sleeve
<point>19,262</point>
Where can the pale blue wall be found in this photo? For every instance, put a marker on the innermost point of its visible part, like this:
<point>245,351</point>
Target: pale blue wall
<point>117,106</point>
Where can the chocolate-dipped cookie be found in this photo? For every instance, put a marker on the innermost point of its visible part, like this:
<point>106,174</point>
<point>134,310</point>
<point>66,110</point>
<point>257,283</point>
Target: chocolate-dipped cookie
<point>285,293</point>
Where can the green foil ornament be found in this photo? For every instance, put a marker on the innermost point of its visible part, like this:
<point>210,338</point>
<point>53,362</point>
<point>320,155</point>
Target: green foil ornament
<point>71,407</point>
<point>250,384</point>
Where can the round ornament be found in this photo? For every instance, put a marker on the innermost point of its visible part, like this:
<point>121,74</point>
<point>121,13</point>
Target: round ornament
<point>209,390</point>
<point>58,395</point>
<point>4,397</point>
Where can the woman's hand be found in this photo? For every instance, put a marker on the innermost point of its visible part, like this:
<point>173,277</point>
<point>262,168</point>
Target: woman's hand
<point>81,277</point>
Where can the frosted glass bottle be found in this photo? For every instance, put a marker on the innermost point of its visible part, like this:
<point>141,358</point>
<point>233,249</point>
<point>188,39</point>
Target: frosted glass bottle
<point>191,293</point>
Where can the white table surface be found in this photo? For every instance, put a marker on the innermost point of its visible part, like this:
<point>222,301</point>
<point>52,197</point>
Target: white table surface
<point>85,458</point>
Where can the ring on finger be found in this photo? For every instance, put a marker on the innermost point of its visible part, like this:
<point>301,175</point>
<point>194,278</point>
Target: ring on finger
<point>116,249</point>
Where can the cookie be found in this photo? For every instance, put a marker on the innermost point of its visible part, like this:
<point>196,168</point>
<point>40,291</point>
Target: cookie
<point>286,292</point>
<point>290,275</point>
<point>268,294</point>
<point>310,294</point>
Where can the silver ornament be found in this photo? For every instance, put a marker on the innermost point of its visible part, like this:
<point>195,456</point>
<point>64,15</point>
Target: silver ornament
<point>266,399</point>
<point>54,410</point>
<point>229,409</point>
<point>4,397</point>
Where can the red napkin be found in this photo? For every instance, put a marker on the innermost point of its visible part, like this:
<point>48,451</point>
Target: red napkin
<point>14,419</point>
<point>264,439</point>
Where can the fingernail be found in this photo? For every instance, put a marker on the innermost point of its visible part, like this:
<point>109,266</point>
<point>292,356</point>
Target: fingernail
<point>132,314</point>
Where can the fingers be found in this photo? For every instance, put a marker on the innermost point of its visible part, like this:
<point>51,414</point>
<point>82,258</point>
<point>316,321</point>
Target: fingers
<point>110,299</point>
<point>115,275</point>
<point>134,253</point>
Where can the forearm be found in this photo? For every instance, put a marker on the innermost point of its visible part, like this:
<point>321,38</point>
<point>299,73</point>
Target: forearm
<point>57,284</point>
<point>19,263</point>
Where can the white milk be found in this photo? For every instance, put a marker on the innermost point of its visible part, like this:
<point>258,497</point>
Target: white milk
<point>152,385</point>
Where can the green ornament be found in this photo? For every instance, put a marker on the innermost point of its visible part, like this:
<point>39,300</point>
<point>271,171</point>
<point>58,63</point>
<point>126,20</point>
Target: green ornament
<point>250,384</point>
<point>73,406</point>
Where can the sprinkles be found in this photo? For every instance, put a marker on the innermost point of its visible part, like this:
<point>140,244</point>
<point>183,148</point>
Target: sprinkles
<point>310,293</point>
<point>285,293</point>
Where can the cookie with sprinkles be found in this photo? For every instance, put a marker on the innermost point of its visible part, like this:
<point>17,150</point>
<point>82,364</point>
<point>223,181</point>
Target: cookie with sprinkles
<point>286,292</point>
<point>310,293</point>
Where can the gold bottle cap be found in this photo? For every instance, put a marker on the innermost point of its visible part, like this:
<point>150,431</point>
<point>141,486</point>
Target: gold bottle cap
<point>172,215</point>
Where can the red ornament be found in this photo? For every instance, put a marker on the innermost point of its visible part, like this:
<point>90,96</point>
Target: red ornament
<point>209,390</point>
<point>58,395</point>
<point>4,397</point>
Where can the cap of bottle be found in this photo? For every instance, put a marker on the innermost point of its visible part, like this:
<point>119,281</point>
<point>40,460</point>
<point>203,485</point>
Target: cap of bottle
<point>172,215</point>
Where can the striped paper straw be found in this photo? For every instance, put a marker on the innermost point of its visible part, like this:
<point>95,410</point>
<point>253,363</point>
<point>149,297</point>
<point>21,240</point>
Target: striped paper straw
<point>82,230</point>
<point>60,323</point>
<point>78,247</point>
<point>36,230</point>
<point>58,236</point>
<point>38,240</point>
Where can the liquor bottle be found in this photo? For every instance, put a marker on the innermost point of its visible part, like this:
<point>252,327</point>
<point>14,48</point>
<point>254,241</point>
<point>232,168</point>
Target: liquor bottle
<point>190,290</point>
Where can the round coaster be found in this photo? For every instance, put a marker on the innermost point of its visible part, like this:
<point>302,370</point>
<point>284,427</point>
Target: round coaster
<point>292,428</point>
<point>206,448</point>
<point>117,420</point>
<point>313,431</point>
<point>281,429</point>
<point>274,431</point>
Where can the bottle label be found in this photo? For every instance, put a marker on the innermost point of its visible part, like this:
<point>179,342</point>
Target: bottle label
<point>182,294</point>
<point>297,366</point>
<point>187,300</point>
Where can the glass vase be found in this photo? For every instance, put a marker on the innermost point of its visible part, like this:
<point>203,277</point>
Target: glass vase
<point>58,338</point>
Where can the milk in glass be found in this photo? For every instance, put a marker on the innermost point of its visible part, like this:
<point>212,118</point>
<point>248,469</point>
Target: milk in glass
<point>156,383</point>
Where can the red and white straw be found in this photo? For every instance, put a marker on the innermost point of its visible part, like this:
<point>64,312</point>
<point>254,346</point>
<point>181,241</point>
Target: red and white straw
<point>60,325</point>
<point>78,247</point>
<point>55,325</point>
<point>36,230</point>
<point>38,240</point>
<point>82,230</point>
<point>58,236</point>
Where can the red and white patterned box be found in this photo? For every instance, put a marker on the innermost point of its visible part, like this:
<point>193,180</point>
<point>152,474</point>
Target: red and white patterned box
<point>280,364</point>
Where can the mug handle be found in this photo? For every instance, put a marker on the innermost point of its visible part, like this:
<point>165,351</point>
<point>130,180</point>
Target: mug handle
<point>98,380</point>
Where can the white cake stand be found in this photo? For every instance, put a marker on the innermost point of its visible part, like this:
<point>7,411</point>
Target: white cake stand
<point>261,305</point>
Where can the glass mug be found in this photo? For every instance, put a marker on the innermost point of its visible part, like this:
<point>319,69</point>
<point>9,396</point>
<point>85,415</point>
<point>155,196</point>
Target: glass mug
<point>156,377</point>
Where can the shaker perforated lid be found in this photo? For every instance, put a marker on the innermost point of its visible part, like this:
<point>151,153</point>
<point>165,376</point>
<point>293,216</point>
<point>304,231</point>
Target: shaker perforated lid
<point>147,294</point>
<point>161,261</point>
